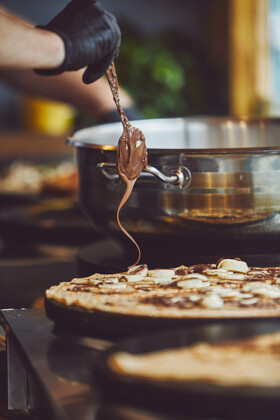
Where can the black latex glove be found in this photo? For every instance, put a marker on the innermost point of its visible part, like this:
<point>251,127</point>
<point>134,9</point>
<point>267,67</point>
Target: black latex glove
<point>91,36</point>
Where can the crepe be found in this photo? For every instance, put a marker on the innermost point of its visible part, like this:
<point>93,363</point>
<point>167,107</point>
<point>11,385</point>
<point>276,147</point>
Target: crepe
<point>227,289</point>
<point>249,362</point>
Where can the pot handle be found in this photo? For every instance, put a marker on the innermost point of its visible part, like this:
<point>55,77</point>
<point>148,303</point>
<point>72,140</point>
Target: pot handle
<point>180,177</point>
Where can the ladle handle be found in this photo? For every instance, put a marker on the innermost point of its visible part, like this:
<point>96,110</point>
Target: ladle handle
<point>180,177</point>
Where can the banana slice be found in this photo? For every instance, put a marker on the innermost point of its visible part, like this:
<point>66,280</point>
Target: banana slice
<point>222,292</point>
<point>134,274</point>
<point>167,274</point>
<point>234,265</point>
<point>159,280</point>
<point>230,276</point>
<point>109,280</point>
<point>212,302</point>
<point>244,295</point>
<point>130,278</point>
<point>249,301</point>
<point>195,276</point>
<point>138,269</point>
<point>112,286</point>
<point>85,282</point>
<point>259,272</point>
<point>214,271</point>
<point>195,298</point>
<point>262,289</point>
<point>192,284</point>
<point>223,274</point>
<point>97,278</point>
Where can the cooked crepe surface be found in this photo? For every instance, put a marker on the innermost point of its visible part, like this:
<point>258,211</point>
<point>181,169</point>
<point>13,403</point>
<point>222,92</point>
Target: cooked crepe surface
<point>228,288</point>
<point>249,362</point>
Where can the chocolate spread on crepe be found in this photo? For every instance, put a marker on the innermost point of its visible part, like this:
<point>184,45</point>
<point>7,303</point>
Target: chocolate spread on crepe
<point>132,154</point>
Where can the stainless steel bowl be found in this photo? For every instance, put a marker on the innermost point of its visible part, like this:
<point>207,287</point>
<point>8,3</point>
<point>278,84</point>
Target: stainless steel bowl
<point>204,175</point>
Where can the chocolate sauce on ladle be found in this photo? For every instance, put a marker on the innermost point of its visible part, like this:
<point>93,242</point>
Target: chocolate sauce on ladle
<point>132,155</point>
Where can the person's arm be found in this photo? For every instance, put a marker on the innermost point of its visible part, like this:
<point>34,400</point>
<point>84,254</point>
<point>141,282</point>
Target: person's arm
<point>95,99</point>
<point>82,35</point>
<point>23,46</point>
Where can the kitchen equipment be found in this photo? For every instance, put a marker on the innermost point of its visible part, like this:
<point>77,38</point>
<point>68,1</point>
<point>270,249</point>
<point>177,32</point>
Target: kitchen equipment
<point>51,375</point>
<point>35,383</point>
<point>76,320</point>
<point>192,399</point>
<point>211,182</point>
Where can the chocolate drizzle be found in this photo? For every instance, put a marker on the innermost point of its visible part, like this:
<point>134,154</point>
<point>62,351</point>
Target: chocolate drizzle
<point>176,302</point>
<point>198,268</point>
<point>131,154</point>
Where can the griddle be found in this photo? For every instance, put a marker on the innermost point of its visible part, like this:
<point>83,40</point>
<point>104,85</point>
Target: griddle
<point>94,323</point>
<point>111,256</point>
<point>195,400</point>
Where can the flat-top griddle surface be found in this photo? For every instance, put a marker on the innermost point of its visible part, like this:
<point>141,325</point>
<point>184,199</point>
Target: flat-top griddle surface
<point>115,326</point>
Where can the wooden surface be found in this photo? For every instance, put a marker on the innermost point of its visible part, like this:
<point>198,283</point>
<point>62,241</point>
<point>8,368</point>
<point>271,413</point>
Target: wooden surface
<point>250,81</point>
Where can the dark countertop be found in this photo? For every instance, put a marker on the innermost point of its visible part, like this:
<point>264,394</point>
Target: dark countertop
<point>58,370</point>
<point>51,374</point>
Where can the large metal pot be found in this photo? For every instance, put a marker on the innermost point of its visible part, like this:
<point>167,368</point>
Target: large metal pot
<point>219,179</point>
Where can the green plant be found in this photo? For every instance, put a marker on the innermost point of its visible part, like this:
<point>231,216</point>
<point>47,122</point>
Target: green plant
<point>164,81</point>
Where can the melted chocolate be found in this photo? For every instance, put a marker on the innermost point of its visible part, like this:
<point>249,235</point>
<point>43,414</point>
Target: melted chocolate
<point>139,268</point>
<point>81,288</point>
<point>132,154</point>
<point>198,268</point>
<point>181,271</point>
<point>183,302</point>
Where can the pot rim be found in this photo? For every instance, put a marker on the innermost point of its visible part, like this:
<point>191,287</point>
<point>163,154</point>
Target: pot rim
<point>78,142</point>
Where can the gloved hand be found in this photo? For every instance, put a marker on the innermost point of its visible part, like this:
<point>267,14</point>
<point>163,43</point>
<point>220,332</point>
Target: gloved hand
<point>91,36</point>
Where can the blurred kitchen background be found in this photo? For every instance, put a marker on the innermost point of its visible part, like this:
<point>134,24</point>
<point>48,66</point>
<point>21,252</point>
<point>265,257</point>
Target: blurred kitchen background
<point>185,57</point>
